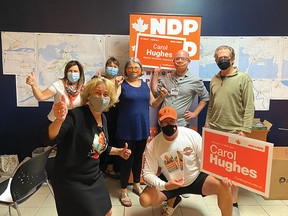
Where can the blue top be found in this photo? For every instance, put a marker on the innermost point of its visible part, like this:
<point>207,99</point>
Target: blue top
<point>133,119</point>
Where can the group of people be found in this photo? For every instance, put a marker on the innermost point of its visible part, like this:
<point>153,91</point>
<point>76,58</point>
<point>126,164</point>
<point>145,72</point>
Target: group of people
<point>111,118</point>
<point>230,109</point>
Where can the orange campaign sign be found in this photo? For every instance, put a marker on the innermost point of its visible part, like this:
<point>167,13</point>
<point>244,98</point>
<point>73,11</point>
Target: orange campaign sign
<point>245,161</point>
<point>155,39</point>
<point>157,50</point>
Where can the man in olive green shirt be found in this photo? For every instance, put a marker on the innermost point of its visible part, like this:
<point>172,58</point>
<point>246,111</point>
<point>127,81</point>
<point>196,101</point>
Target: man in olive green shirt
<point>231,104</point>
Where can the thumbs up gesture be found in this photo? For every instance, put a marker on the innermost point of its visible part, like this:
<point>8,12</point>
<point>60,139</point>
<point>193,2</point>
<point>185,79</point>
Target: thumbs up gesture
<point>31,79</point>
<point>60,109</point>
<point>125,152</point>
<point>158,70</point>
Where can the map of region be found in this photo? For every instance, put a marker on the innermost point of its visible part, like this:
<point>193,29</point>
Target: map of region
<point>208,68</point>
<point>280,89</point>
<point>264,59</point>
<point>18,52</point>
<point>284,68</point>
<point>262,93</point>
<point>46,54</point>
<point>260,56</point>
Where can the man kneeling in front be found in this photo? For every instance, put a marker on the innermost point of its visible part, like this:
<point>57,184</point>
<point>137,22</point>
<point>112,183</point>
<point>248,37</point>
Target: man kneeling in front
<point>177,151</point>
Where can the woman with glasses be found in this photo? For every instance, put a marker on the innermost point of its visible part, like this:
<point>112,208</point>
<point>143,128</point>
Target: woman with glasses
<point>133,125</point>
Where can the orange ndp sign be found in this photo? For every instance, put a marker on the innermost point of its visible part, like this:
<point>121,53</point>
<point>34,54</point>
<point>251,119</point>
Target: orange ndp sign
<point>244,160</point>
<point>155,39</point>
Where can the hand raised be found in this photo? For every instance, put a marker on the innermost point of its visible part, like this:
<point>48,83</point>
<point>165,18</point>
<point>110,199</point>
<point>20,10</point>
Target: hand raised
<point>157,70</point>
<point>118,81</point>
<point>60,109</point>
<point>31,79</point>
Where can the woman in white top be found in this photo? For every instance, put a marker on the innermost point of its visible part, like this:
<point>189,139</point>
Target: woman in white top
<point>70,86</point>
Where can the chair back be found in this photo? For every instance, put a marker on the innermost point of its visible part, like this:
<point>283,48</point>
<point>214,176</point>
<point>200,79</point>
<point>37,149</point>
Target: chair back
<point>29,176</point>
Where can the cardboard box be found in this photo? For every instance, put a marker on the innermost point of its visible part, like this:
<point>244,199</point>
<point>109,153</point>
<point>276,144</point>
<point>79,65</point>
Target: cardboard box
<point>279,174</point>
<point>260,134</point>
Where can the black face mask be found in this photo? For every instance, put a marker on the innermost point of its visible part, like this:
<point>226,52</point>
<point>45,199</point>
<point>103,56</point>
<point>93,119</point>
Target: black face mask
<point>224,63</point>
<point>169,130</point>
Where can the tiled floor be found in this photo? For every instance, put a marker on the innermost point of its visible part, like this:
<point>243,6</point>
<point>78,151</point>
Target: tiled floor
<point>250,204</point>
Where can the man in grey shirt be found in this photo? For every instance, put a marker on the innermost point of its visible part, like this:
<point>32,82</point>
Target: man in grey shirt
<point>182,88</point>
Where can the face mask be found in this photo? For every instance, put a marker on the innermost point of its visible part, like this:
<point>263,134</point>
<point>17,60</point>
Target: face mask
<point>169,130</point>
<point>224,64</point>
<point>132,75</point>
<point>73,77</point>
<point>111,71</point>
<point>99,104</point>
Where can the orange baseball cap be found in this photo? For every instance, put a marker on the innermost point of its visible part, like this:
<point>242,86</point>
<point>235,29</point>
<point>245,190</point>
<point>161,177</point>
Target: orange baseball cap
<point>167,112</point>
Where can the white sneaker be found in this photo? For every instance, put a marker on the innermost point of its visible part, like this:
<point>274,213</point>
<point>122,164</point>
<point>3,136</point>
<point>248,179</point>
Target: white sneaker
<point>185,195</point>
<point>235,211</point>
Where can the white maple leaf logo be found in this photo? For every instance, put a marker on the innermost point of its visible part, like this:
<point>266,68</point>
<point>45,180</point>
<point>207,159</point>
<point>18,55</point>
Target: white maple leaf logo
<point>133,48</point>
<point>140,26</point>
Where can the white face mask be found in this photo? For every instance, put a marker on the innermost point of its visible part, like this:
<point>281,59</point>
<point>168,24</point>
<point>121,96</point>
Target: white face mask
<point>99,104</point>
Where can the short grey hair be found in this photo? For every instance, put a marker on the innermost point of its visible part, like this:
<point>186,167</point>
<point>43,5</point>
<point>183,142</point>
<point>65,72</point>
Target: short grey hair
<point>135,60</point>
<point>232,52</point>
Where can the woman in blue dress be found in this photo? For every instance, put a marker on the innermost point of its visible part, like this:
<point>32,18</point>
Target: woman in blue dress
<point>133,126</point>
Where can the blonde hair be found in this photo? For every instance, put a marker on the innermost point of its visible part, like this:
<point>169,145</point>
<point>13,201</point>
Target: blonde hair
<point>91,85</point>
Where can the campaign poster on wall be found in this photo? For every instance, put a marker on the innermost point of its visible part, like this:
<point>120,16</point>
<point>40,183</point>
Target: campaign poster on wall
<point>158,50</point>
<point>155,39</point>
<point>245,161</point>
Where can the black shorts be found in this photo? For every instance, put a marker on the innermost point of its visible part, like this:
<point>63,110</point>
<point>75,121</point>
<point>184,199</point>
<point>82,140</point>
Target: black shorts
<point>194,188</point>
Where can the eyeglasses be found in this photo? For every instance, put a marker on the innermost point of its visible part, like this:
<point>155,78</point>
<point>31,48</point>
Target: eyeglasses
<point>133,68</point>
<point>181,59</point>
